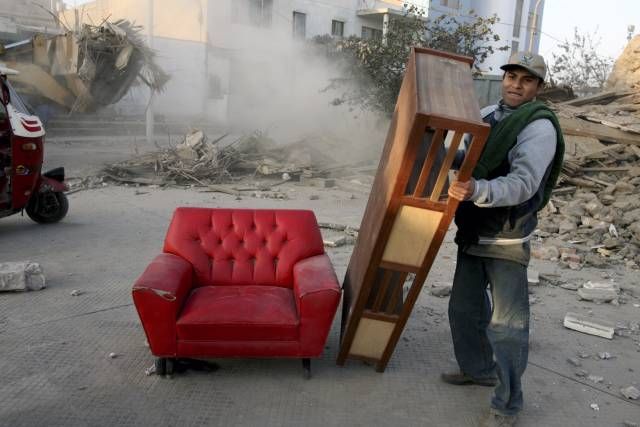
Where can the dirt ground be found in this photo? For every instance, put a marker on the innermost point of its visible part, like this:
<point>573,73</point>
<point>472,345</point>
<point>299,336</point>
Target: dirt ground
<point>100,248</point>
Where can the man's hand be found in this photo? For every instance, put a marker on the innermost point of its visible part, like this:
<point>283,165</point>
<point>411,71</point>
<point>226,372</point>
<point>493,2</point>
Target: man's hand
<point>462,190</point>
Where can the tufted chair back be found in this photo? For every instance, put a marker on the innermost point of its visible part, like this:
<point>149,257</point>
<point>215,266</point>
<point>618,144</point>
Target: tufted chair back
<point>243,246</point>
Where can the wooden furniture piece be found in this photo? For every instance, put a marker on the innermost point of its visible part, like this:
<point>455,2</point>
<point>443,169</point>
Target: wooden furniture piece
<point>409,212</point>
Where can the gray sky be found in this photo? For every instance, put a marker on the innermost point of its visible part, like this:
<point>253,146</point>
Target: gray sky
<point>608,19</point>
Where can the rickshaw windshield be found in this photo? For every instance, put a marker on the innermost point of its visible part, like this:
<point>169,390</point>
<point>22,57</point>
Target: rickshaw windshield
<point>16,101</point>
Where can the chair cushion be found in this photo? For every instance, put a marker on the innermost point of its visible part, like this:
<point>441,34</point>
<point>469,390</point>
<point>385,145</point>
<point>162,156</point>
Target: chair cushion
<point>239,313</point>
<point>243,246</point>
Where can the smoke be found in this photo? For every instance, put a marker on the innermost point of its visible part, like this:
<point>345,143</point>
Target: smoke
<point>276,86</point>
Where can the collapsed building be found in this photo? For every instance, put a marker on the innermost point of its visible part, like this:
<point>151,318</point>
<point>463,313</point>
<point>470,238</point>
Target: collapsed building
<point>82,70</point>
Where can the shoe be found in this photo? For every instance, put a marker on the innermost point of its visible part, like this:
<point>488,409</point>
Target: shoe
<point>460,378</point>
<point>496,419</point>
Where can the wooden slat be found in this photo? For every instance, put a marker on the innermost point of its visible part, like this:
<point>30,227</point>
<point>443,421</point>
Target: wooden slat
<point>436,141</point>
<point>391,318</point>
<point>423,203</point>
<point>398,267</point>
<point>382,290</point>
<point>397,293</point>
<point>446,166</point>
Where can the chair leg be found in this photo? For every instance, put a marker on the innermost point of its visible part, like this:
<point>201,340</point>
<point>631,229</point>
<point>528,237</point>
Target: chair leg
<point>306,366</point>
<point>164,366</point>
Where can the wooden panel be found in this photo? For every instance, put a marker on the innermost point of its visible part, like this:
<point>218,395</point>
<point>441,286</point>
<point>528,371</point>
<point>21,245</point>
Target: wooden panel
<point>411,236</point>
<point>371,338</point>
<point>446,89</point>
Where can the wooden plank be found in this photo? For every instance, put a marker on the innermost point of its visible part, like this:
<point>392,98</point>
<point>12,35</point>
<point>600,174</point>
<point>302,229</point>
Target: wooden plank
<point>598,98</point>
<point>604,133</point>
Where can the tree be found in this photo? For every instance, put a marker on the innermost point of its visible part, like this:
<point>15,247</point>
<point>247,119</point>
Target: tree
<point>579,65</point>
<point>375,67</point>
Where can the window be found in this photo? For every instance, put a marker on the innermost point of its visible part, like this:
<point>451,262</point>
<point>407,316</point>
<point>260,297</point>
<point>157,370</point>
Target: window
<point>260,12</point>
<point>253,12</point>
<point>514,46</point>
<point>369,33</point>
<point>518,18</point>
<point>453,4</point>
<point>299,25</point>
<point>337,28</point>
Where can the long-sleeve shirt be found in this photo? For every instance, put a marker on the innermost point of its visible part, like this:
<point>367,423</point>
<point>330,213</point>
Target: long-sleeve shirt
<point>528,159</point>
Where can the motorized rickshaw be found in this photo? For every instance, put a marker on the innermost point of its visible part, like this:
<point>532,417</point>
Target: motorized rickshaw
<point>23,186</point>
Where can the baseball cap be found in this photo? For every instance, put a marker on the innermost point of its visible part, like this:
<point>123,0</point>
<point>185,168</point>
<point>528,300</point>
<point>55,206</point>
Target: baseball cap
<point>532,62</point>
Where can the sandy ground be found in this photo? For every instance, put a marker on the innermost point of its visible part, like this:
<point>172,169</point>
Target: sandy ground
<point>54,347</point>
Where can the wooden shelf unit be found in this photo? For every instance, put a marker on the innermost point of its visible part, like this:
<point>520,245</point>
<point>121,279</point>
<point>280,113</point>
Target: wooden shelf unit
<point>409,212</point>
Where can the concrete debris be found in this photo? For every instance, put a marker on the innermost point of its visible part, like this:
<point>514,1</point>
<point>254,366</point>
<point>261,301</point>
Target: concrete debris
<point>604,355</point>
<point>570,286</point>
<point>597,295</point>
<point>630,392</point>
<point>573,361</point>
<point>21,276</point>
<point>113,355</point>
<point>595,379</point>
<point>341,241</point>
<point>76,293</point>
<point>630,424</point>
<point>441,290</point>
<point>533,277</point>
<point>594,406</point>
<point>589,325</point>
<point>597,201</point>
<point>151,370</point>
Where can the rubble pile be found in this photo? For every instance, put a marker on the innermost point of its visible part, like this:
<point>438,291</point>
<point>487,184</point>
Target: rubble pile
<point>626,70</point>
<point>594,214</point>
<point>200,161</point>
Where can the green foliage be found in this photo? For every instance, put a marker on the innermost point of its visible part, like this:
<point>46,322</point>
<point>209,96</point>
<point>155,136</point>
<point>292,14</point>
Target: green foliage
<point>373,68</point>
<point>579,65</point>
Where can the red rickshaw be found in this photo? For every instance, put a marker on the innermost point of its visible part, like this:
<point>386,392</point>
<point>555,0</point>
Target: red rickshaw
<point>23,186</point>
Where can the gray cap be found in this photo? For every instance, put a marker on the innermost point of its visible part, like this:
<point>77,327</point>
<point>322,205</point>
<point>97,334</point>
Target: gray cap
<point>532,62</point>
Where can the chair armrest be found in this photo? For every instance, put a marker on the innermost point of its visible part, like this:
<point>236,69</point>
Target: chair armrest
<point>317,295</point>
<point>159,295</point>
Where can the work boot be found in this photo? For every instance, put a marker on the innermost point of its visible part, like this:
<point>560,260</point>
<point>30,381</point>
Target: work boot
<point>496,419</point>
<point>460,378</point>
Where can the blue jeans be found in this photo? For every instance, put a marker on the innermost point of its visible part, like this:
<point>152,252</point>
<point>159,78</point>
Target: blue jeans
<point>491,339</point>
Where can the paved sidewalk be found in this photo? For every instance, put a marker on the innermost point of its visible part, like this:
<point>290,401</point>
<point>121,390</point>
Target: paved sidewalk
<point>54,347</point>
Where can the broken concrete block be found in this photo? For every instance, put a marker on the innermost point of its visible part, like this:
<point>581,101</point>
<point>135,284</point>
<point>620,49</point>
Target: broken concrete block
<point>341,241</point>
<point>533,277</point>
<point>589,325</point>
<point>545,252</point>
<point>575,362</point>
<point>597,295</point>
<point>21,276</point>
<point>441,290</point>
<point>595,379</point>
<point>570,286</point>
<point>630,392</point>
<point>602,285</point>
<point>570,258</point>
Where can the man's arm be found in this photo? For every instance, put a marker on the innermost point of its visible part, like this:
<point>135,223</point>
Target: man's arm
<point>529,160</point>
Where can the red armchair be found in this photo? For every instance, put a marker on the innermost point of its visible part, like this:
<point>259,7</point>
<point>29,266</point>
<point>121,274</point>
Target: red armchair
<point>238,283</point>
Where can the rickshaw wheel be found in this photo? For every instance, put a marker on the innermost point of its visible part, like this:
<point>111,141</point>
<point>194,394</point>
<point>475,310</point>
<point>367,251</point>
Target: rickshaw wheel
<point>47,208</point>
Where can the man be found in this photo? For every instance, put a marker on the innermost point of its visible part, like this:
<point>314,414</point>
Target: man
<point>511,183</point>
